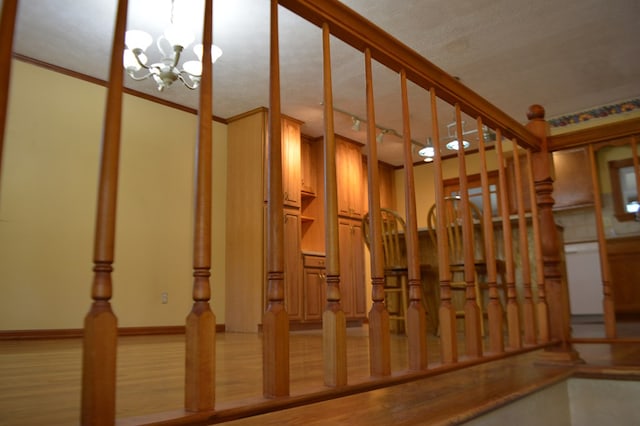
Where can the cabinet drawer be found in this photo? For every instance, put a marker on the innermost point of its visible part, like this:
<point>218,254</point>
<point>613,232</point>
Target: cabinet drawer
<point>314,261</point>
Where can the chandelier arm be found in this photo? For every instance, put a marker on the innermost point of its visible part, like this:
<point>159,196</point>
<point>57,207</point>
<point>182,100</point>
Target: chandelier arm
<point>144,77</point>
<point>177,50</point>
<point>136,54</point>
<point>185,82</point>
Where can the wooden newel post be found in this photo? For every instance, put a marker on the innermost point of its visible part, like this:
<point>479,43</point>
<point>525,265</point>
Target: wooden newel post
<point>556,291</point>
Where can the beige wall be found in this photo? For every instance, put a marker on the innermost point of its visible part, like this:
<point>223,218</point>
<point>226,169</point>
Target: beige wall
<point>48,197</point>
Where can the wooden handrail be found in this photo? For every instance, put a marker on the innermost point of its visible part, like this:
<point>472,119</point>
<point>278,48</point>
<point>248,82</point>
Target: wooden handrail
<point>361,34</point>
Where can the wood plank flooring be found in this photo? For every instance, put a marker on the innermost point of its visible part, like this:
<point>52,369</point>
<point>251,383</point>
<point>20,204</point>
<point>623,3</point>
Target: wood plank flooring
<point>40,380</point>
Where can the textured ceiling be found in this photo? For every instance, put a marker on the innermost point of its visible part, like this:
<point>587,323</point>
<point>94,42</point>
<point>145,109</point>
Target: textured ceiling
<point>567,55</point>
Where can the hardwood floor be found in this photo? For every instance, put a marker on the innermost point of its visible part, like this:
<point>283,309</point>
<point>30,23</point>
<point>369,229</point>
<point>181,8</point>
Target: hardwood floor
<point>40,380</point>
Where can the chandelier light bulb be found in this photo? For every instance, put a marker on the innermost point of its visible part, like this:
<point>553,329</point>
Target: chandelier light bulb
<point>454,145</point>
<point>193,67</point>
<point>216,52</point>
<point>137,39</point>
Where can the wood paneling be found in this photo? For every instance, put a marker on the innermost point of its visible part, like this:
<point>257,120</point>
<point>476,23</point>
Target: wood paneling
<point>572,186</point>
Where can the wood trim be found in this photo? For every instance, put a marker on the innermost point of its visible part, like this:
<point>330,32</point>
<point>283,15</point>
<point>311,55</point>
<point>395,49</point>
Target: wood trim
<point>73,333</point>
<point>7,24</point>
<point>361,34</point>
<point>100,82</point>
<point>603,133</point>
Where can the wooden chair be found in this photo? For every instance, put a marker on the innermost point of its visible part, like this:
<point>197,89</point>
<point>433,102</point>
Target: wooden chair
<point>453,224</point>
<point>395,264</point>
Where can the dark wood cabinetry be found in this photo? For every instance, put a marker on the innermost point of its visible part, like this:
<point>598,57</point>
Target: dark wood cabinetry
<point>624,266</point>
<point>314,287</point>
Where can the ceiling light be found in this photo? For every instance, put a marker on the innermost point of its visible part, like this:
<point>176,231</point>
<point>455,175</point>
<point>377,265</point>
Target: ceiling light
<point>355,124</point>
<point>454,145</point>
<point>427,151</point>
<point>171,44</point>
<point>381,135</point>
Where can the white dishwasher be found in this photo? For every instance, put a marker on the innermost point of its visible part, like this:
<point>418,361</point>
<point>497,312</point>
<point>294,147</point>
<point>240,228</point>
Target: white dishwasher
<point>584,278</point>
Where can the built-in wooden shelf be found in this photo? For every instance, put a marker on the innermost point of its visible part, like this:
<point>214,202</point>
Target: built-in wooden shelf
<point>307,195</point>
<point>307,219</point>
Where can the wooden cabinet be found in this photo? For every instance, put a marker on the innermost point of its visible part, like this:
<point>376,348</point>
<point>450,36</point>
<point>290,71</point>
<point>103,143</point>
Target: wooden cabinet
<point>352,281</point>
<point>572,185</point>
<point>386,184</point>
<point>312,195</point>
<point>386,175</point>
<point>624,266</point>
<point>350,178</point>
<point>291,171</point>
<point>309,164</point>
<point>303,227</point>
<point>246,233</point>
<point>314,287</point>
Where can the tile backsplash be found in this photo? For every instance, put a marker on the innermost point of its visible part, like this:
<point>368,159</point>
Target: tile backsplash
<point>580,224</point>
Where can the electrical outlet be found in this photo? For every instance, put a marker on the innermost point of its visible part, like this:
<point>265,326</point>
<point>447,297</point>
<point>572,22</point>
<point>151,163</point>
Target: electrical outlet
<point>165,297</point>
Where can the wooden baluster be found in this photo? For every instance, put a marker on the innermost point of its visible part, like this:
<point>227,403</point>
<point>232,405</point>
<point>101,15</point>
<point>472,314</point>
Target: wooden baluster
<point>542,310</point>
<point>416,315</point>
<point>7,25</point>
<point>636,165</point>
<point>100,324</point>
<point>379,339</point>
<point>275,321</point>
<point>446,312</point>
<point>495,311</point>
<point>334,325</point>
<point>472,318</point>
<point>513,309</point>
<point>201,321</point>
<point>607,289</point>
<point>555,289</point>
<point>528,313</point>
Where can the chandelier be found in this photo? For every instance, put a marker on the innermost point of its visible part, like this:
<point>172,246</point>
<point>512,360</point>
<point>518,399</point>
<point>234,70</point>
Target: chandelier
<point>171,45</point>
